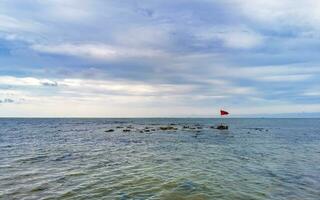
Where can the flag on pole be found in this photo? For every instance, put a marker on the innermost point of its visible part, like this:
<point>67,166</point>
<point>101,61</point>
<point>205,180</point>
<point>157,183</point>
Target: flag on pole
<point>223,112</point>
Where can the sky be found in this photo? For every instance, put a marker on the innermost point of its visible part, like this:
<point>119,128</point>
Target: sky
<point>159,58</point>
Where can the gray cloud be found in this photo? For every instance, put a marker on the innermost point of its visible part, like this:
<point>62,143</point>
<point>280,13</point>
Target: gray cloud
<point>7,100</point>
<point>50,84</point>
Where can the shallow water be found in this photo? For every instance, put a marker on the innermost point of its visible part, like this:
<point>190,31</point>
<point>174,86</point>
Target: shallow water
<point>77,159</point>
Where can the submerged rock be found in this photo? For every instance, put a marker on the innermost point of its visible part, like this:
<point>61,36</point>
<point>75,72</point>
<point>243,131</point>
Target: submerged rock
<point>108,131</point>
<point>126,130</point>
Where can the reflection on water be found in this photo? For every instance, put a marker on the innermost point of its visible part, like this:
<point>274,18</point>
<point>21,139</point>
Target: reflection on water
<point>77,159</point>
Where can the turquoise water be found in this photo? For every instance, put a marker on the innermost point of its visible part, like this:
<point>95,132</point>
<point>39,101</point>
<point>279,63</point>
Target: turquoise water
<point>77,159</point>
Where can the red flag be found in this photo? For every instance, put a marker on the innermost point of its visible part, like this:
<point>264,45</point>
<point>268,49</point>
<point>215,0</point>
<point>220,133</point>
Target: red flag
<point>223,112</point>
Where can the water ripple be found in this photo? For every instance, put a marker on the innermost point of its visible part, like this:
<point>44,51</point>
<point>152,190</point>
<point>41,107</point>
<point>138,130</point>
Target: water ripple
<point>77,159</point>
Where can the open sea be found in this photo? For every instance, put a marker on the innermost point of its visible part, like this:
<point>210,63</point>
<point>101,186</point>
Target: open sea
<point>159,159</point>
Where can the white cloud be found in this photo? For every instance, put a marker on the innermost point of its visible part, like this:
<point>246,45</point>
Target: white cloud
<point>281,13</point>
<point>124,91</point>
<point>14,81</point>
<point>104,87</point>
<point>12,25</point>
<point>25,81</point>
<point>311,93</point>
<point>232,37</point>
<point>96,51</point>
<point>286,78</point>
<point>276,73</point>
<point>143,36</point>
<point>241,40</point>
<point>85,97</point>
<point>126,88</point>
<point>84,50</point>
<point>71,10</point>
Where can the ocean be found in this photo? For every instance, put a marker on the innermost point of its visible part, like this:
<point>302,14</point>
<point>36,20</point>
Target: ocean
<point>165,158</point>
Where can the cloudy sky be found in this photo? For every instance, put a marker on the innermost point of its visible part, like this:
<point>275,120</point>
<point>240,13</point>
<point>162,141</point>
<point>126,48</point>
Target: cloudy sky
<point>100,58</point>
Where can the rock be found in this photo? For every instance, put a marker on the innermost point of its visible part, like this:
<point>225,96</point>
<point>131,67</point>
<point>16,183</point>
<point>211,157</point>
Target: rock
<point>168,128</point>
<point>222,127</point>
<point>126,130</point>
<point>108,131</point>
<point>119,127</point>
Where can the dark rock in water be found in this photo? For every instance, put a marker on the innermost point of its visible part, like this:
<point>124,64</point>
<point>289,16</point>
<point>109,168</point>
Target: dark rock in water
<point>153,129</point>
<point>147,130</point>
<point>212,127</point>
<point>168,128</point>
<point>141,131</point>
<point>126,130</point>
<point>119,127</point>
<point>108,131</point>
<point>186,127</point>
<point>222,127</point>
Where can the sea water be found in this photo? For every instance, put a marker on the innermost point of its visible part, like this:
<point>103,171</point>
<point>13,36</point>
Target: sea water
<point>77,159</point>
